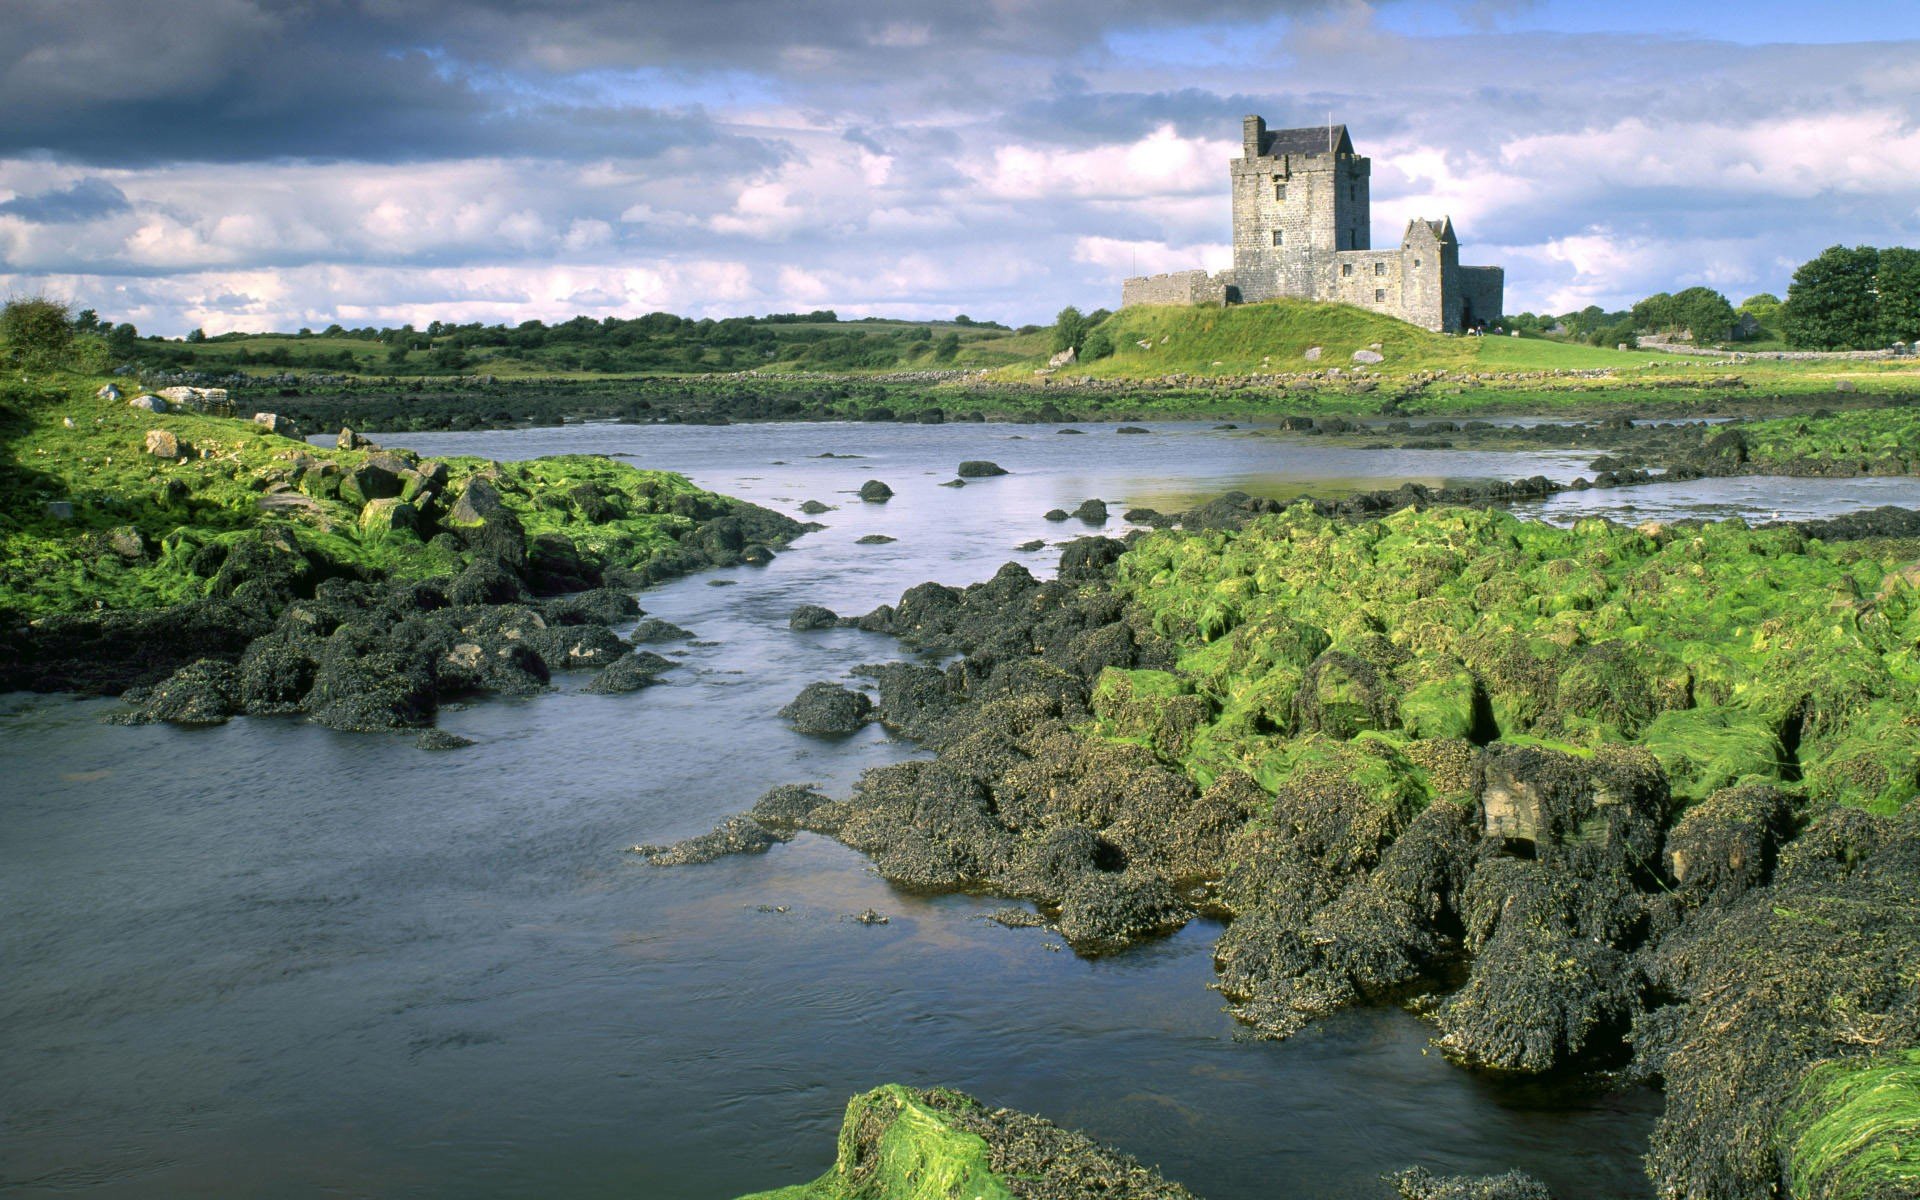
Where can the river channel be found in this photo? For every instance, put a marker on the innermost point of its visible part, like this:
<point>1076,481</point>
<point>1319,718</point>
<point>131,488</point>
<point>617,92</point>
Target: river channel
<point>269,959</point>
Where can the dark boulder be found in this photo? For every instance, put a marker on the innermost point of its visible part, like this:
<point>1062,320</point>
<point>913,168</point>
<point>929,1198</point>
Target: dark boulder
<point>653,629</point>
<point>277,671</point>
<point>369,481</point>
<point>206,692</point>
<point>875,491</point>
<point>556,565</point>
<point>630,673</point>
<point>486,581</point>
<point>828,708</point>
<point>1093,512</point>
<point>483,520</point>
<point>1102,910</point>
<point>979,468</point>
<point>577,647</point>
<point>812,616</point>
<point>1087,559</point>
<point>599,606</point>
<point>372,692</point>
<point>738,835</point>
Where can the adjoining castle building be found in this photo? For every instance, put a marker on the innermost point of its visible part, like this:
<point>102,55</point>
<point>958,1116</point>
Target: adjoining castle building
<point>1301,229</point>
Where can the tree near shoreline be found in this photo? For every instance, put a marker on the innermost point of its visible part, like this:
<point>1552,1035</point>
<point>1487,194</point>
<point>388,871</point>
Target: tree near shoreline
<point>1832,304</point>
<point>1897,283</point>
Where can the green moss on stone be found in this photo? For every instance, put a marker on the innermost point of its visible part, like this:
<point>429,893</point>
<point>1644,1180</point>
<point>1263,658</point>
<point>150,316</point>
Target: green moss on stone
<point>1854,1130</point>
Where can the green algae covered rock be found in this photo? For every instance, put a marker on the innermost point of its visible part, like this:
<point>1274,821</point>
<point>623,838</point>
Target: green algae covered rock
<point>1731,653</point>
<point>382,518</point>
<point>900,1143</point>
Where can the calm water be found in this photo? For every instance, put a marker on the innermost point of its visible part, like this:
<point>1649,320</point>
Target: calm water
<point>272,960</point>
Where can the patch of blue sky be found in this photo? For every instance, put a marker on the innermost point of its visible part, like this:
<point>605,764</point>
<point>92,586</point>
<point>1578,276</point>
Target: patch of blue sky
<point>1198,46</point>
<point>1745,22</point>
<point>637,87</point>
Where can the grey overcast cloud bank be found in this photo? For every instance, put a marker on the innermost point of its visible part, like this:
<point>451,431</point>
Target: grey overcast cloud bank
<point>253,164</point>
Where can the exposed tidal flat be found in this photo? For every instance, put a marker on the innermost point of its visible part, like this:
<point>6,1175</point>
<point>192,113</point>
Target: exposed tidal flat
<point>270,956</point>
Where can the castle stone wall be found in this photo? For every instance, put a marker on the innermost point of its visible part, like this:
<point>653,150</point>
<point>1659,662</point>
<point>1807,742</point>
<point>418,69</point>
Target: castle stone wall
<point>1483,291</point>
<point>1302,228</point>
<point>1176,287</point>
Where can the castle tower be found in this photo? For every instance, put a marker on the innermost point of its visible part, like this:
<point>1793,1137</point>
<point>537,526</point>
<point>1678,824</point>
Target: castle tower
<point>1301,218</point>
<point>1300,196</point>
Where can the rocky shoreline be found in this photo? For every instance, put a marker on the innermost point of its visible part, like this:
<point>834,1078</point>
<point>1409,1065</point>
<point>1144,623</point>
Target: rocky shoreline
<point>1567,858</point>
<point>361,587</point>
<point>399,406</point>
<point>896,1143</point>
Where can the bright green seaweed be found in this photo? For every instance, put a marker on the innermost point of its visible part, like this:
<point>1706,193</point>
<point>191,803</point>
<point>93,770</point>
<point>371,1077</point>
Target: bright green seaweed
<point>892,1147</point>
<point>1730,653</point>
<point>1854,1132</point>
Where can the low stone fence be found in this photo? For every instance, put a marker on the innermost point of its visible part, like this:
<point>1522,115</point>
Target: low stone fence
<point>1900,351</point>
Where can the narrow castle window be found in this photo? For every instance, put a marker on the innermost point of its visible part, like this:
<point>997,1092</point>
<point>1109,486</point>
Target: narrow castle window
<point>1379,268</point>
<point>1379,294</point>
<point>1279,191</point>
<point>1279,237</point>
<point>1416,262</point>
<point>1346,269</point>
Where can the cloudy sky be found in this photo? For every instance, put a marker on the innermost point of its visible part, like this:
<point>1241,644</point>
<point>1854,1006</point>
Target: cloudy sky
<point>263,164</point>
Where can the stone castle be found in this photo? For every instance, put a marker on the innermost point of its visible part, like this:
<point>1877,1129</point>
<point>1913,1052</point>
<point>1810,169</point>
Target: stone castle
<point>1301,229</point>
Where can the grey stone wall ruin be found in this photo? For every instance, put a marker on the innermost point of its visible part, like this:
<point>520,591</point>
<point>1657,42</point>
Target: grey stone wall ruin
<point>1177,287</point>
<point>1301,228</point>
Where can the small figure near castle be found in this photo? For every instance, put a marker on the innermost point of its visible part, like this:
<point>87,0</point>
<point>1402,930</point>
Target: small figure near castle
<point>1301,229</point>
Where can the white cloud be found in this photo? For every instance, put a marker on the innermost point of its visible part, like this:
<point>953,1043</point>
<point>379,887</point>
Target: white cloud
<point>1801,156</point>
<point>1122,258</point>
<point>1163,163</point>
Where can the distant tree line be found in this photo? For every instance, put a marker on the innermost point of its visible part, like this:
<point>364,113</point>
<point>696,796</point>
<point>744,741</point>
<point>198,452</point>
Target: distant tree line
<point>655,342</point>
<point>1845,299</point>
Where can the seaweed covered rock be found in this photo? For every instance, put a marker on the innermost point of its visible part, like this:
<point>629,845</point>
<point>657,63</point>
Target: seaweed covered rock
<point>205,692</point>
<point>1815,968</point>
<point>1314,942</point>
<point>899,1143</point>
<point>1606,811</point>
<point>812,616</point>
<point>926,826</point>
<point>875,492</point>
<point>828,708</point>
<point>1726,846</point>
<point>630,673</point>
<point>577,647</point>
<point>1088,558</point>
<point>979,468</point>
<point>1111,909</point>
<point>595,606</point>
<point>373,691</point>
<point>1422,1184</point>
<point>737,835</point>
<point>791,806</point>
<point>481,517</point>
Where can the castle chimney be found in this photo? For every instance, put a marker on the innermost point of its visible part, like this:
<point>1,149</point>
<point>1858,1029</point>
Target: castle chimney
<point>1253,132</point>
